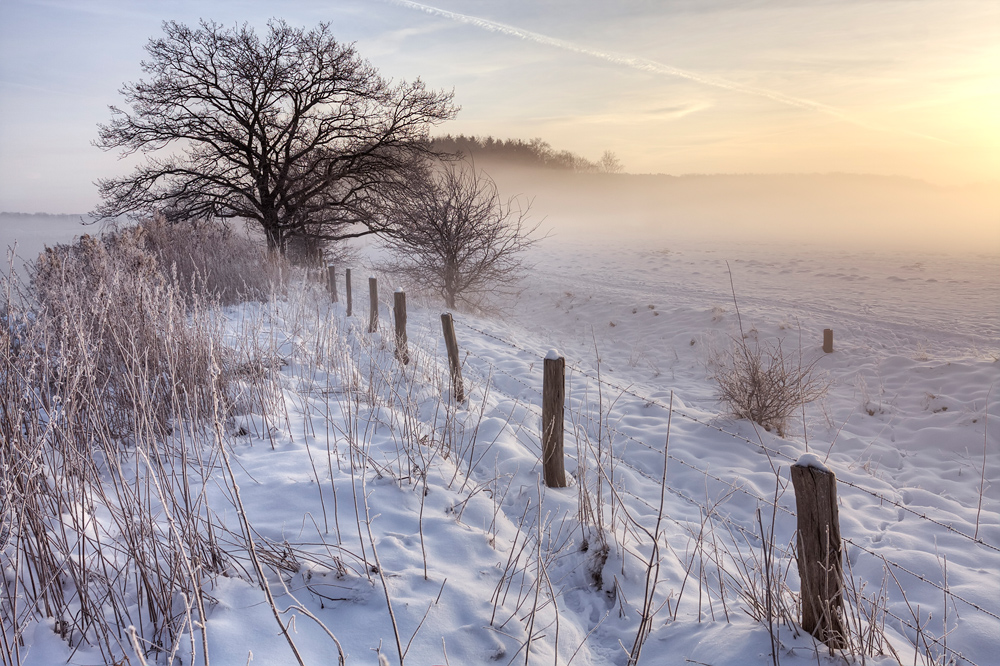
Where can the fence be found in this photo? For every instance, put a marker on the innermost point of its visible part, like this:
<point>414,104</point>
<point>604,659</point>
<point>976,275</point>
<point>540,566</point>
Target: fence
<point>544,403</point>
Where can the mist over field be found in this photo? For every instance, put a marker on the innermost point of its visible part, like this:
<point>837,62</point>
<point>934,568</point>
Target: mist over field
<point>829,211</point>
<point>840,211</point>
<point>24,235</point>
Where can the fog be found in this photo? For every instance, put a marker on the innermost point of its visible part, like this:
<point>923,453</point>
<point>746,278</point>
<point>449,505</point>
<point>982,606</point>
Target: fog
<point>837,211</point>
<point>26,235</point>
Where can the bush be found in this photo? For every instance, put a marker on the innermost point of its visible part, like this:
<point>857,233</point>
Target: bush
<point>116,330</point>
<point>108,377</point>
<point>759,381</point>
<point>214,259</point>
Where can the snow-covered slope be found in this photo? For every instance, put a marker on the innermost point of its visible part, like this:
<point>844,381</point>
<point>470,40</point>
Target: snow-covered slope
<point>403,523</point>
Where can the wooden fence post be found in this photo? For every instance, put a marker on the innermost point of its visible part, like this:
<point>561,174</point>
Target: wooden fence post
<point>821,572</point>
<point>372,304</point>
<point>347,281</point>
<point>553,399</point>
<point>399,314</point>
<point>828,340</point>
<point>454,364</point>
<point>331,281</point>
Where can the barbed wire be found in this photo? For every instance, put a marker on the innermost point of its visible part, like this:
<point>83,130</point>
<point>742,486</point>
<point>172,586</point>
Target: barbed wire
<point>919,577</point>
<point>921,635</point>
<point>923,516</point>
<point>654,401</point>
<point>670,456</point>
<point>712,514</point>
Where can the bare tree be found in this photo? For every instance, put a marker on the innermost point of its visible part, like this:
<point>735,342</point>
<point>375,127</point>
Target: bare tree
<point>291,129</point>
<point>456,235</point>
<point>609,163</point>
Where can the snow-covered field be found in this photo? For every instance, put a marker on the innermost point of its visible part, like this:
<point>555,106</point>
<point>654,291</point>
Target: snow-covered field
<point>405,524</point>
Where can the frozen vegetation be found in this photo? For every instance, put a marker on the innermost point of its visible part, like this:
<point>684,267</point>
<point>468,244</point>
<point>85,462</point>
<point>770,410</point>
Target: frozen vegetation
<point>187,481</point>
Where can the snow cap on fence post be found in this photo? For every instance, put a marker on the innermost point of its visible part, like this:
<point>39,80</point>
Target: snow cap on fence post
<point>812,460</point>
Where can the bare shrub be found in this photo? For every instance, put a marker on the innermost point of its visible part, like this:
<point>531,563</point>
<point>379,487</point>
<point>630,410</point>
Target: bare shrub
<point>213,258</point>
<point>761,382</point>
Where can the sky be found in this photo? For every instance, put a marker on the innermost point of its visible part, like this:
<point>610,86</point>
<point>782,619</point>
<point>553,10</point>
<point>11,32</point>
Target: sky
<point>901,87</point>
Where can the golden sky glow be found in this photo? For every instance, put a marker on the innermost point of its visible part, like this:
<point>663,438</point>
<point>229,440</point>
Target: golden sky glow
<point>903,87</point>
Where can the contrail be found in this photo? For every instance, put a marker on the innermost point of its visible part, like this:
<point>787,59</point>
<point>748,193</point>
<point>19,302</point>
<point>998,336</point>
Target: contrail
<point>646,65</point>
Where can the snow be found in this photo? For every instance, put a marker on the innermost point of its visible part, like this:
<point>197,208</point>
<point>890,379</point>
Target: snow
<point>811,460</point>
<point>553,355</point>
<point>468,538</point>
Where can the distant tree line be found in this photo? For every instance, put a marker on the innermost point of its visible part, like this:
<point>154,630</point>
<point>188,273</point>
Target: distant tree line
<point>535,153</point>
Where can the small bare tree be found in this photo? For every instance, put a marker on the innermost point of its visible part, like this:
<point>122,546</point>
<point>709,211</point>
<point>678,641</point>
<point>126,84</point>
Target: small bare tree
<point>457,236</point>
<point>609,163</point>
<point>761,382</point>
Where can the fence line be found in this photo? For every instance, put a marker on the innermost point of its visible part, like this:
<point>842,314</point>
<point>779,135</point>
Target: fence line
<point>648,400</point>
<point>742,489</point>
<point>716,517</point>
<point>670,456</point>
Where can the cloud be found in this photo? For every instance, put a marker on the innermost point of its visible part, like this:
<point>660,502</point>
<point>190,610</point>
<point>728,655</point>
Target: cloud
<point>654,67</point>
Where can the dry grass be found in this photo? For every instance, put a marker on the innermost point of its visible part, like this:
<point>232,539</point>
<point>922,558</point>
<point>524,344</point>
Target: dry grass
<point>114,375</point>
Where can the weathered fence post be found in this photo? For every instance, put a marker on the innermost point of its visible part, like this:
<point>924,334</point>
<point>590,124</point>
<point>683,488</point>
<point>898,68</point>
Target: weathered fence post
<point>399,314</point>
<point>821,570</point>
<point>331,282</point>
<point>828,340</point>
<point>553,398</point>
<point>454,364</point>
<point>372,304</point>
<point>347,281</point>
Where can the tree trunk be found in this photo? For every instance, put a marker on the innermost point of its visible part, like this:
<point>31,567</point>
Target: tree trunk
<point>275,240</point>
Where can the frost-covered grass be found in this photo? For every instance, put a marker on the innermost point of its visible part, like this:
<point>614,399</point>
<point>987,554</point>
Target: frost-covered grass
<point>313,499</point>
